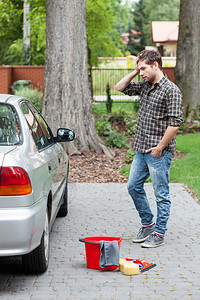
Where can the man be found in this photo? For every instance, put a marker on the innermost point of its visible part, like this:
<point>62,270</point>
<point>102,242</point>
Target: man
<point>160,116</point>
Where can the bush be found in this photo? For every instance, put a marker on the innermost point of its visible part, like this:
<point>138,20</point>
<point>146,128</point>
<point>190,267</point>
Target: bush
<point>131,125</point>
<point>129,156</point>
<point>198,112</point>
<point>109,100</point>
<point>33,95</point>
<point>118,116</point>
<point>102,126</point>
<point>117,139</point>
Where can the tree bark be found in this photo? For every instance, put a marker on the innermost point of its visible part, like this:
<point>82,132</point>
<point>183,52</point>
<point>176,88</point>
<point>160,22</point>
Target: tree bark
<point>67,97</point>
<point>187,71</point>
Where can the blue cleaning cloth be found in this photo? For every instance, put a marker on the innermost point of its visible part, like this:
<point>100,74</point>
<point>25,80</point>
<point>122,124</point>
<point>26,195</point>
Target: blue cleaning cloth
<point>109,253</point>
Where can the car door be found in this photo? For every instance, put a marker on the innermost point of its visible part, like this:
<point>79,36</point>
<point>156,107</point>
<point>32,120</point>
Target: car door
<point>58,152</point>
<point>48,153</point>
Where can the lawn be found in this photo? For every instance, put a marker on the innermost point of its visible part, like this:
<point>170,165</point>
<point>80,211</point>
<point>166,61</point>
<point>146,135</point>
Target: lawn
<point>185,169</point>
<point>128,107</point>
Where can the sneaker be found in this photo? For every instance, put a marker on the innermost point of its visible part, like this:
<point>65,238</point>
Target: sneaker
<point>144,233</point>
<point>153,241</point>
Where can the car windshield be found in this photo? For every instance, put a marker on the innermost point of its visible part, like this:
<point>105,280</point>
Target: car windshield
<point>9,126</point>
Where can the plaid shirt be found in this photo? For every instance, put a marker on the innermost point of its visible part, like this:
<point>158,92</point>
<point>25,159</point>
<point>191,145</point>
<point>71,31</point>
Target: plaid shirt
<point>160,107</point>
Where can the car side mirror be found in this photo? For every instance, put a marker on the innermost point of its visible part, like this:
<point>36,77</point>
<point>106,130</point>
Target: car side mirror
<point>65,135</point>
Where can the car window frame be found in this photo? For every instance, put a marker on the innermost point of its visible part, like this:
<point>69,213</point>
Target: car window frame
<point>47,126</point>
<point>32,108</point>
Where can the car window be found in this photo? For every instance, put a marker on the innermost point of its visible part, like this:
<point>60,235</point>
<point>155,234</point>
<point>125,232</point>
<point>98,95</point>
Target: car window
<point>43,124</point>
<point>45,128</point>
<point>10,130</point>
<point>37,126</point>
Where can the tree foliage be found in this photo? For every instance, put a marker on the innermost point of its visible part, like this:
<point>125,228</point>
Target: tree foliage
<point>146,11</point>
<point>102,35</point>
<point>103,38</point>
<point>11,31</point>
<point>165,10</point>
<point>11,19</point>
<point>123,15</point>
<point>105,21</point>
<point>38,31</point>
<point>140,23</point>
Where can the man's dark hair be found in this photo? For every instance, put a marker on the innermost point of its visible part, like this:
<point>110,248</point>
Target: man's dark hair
<point>149,56</point>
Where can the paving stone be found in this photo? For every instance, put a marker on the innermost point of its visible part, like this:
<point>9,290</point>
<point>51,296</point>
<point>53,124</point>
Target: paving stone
<point>107,209</point>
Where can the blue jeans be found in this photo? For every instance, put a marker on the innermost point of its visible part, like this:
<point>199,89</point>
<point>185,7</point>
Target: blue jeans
<point>143,166</point>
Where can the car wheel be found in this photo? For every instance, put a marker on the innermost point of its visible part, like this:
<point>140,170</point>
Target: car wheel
<point>37,261</point>
<point>63,211</point>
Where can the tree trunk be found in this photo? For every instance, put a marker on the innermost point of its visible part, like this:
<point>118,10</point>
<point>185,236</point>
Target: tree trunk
<point>187,71</point>
<point>67,97</point>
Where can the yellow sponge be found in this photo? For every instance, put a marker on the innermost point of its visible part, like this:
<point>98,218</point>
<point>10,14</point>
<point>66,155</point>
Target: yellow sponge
<point>121,264</point>
<point>128,267</point>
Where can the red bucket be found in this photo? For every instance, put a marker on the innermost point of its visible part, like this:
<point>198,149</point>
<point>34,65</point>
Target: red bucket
<point>93,251</point>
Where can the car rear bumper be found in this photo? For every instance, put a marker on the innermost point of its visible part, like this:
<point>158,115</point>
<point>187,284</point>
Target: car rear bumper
<point>18,233</point>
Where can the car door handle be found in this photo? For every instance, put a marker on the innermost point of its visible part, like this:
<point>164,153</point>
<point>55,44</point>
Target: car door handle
<point>49,167</point>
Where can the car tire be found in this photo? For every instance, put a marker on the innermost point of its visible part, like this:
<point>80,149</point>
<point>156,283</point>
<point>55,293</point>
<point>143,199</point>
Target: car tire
<point>63,211</point>
<point>37,261</point>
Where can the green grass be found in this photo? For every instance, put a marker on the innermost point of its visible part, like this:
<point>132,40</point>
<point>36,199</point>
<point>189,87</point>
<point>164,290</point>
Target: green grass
<point>187,169</point>
<point>100,108</point>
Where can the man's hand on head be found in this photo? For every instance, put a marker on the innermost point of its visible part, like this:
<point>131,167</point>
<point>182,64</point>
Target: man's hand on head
<point>136,66</point>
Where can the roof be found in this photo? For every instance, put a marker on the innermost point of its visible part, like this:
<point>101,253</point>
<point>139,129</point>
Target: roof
<point>165,31</point>
<point>8,98</point>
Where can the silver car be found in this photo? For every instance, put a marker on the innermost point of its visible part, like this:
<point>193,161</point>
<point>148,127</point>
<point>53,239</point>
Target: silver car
<point>33,182</point>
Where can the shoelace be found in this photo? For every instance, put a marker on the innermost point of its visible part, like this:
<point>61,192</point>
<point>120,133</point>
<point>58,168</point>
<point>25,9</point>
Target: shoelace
<point>155,237</point>
<point>141,230</point>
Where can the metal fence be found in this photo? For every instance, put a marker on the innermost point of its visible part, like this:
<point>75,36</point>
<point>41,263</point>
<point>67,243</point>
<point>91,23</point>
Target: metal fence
<point>102,77</point>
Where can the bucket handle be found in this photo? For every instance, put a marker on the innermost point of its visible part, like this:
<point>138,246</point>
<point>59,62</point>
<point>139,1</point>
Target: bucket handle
<point>83,241</point>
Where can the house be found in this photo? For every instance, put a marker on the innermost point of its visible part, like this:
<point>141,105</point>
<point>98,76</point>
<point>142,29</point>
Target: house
<point>165,36</point>
<point>126,37</point>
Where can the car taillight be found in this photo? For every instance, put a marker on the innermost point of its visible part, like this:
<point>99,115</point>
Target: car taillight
<point>14,181</point>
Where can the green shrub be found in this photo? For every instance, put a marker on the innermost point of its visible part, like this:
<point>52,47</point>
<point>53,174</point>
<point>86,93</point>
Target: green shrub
<point>119,115</point>
<point>117,139</point>
<point>198,112</point>
<point>95,110</point>
<point>33,95</point>
<point>129,156</point>
<point>14,53</point>
<point>128,118</point>
<point>109,101</point>
<point>117,118</point>
<point>131,125</point>
<point>102,126</point>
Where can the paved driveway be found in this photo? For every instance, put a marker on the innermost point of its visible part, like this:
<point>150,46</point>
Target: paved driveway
<point>106,209</point>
